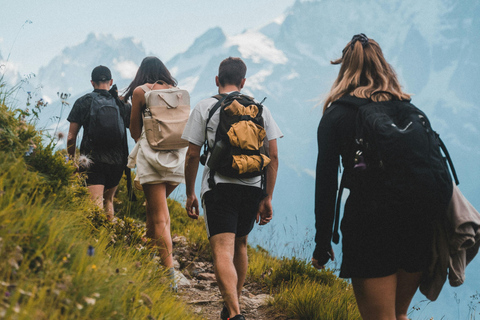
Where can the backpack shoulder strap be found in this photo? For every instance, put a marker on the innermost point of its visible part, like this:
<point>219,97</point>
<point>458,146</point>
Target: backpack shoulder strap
<point>220,97</point>
<point>145,88</point>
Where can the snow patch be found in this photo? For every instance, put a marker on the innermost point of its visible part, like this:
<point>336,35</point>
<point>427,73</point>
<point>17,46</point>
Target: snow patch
<point>293,75</point>
<point>127,68</point>
<point>255,82</point>
<point>47,99</point>
<point>257,47</point>
<point>190,83</point>
<point>280,19</point>
<point>174,71</point>
<point>310,172</point>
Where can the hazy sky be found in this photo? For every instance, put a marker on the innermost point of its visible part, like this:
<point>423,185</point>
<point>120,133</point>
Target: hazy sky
<point>164,27</point>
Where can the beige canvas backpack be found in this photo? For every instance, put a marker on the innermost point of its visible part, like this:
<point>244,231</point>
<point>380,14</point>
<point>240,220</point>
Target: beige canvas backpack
<point>165,116</point>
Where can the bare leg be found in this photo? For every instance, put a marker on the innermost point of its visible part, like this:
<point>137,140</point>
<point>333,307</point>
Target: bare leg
<point>158,220</point>
<point>407,285</point>
<point>386,298</point>
<point>240,260</point>
<point>223,248</point>
<point>96,194</point>
<point>108,202</point>
<point>376,297</point>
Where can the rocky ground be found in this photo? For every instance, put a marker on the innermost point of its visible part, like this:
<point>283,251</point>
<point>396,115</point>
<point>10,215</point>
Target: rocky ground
<point>197,286</point>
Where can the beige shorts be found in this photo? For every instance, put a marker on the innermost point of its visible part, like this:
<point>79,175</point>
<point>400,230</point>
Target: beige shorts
<point>154,167</point>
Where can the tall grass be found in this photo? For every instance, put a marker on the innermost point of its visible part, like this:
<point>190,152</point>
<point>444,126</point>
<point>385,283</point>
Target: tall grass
<point>300,290</point>
<point>56,260</point>
<point>309,300</point>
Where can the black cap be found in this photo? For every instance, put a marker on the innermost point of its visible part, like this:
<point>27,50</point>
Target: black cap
<point>101,73</point>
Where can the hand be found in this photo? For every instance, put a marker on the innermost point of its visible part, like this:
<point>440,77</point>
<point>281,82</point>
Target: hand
<point>265,211</point>
<point>317,265</point>
<point>192,206</point>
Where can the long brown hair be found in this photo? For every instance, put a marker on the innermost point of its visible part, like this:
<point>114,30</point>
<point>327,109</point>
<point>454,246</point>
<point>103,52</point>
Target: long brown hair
<point>364,71</point>
<point>151,70</point>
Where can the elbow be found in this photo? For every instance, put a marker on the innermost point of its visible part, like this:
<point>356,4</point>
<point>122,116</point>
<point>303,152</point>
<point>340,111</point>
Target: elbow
<point>192,157</point>
<point>134,134</point>
<point>274,159</point>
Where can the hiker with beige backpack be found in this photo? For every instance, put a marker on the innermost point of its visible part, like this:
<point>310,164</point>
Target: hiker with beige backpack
<point>160,111</point>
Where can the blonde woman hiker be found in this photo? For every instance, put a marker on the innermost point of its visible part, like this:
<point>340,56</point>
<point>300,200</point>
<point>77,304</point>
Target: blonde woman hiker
<point>160,163</point>
<point>398,182</point>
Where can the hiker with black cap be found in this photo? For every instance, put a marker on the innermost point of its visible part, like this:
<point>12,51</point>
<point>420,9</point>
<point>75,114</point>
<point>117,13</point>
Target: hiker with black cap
<point>103,150</point>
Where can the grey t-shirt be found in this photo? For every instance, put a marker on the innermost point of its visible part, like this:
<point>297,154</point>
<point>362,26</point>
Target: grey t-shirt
<point>195,133</point>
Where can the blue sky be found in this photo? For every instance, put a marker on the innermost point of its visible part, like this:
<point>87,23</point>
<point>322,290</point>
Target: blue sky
<point>164,27</point>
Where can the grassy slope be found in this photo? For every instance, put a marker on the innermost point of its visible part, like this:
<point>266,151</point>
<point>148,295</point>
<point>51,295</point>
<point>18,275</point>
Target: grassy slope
<point>47,226</point>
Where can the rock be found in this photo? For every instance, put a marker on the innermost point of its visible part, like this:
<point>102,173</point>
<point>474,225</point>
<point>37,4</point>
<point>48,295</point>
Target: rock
<point>199,286</point>
<point>256,301</point>
<point>181,280</point>
<point>207,276</point>
<point>179,241</point>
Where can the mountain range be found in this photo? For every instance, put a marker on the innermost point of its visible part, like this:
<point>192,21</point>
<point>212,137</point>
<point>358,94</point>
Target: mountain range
<point>433,45</point>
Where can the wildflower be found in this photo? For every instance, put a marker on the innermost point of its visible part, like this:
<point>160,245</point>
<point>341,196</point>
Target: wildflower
<point>79,306</point>
<point>90,301</point>
<point>60,135</point>
<point>64,259</point>
<point>30,151</point>
<point>91,251</point>
<point>84,161</point>
<point>94,267</point>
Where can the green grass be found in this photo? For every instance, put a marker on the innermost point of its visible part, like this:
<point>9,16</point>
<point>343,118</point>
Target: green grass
<point>310,300</point>
<point>48,224</point>
<point>301,291</point>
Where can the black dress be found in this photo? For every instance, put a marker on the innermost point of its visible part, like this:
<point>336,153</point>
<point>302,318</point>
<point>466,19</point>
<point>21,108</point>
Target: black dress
<point>380,235</point>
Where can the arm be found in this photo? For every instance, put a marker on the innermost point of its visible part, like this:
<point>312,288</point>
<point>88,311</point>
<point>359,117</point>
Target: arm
<point>72,139</point>
<point>192,160</point>
<point>138,102</point>
<point>265,211</point>
<point>325,190</point>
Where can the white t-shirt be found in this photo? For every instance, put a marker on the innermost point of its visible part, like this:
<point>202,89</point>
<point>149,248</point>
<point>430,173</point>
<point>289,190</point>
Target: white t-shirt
<point>195,133</point>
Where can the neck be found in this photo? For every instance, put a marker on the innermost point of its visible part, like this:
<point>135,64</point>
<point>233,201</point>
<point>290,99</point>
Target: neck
<point>228,88</point>
<point>102,87</point>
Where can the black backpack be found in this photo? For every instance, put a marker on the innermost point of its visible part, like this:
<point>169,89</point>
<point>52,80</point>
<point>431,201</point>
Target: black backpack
<point>222,153</point>
<point>106,127</point>
<point>399,153</point>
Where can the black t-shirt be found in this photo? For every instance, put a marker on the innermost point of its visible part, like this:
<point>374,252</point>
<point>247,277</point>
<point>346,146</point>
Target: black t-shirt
<point>80,114</point>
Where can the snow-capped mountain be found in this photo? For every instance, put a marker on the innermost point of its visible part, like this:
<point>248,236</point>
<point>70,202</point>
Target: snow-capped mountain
<point>70,71</point>
<point>433,45</point>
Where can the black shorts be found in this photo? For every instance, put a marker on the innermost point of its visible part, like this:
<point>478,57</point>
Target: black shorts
<point>231,208</point>
<point>105,174</point>
<point>379,239</point>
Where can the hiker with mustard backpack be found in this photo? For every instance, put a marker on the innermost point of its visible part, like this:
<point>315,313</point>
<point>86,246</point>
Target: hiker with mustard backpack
<point>398,179</point>
<point>103,150</point>
<point>159,113</point>
<point>238,178</point>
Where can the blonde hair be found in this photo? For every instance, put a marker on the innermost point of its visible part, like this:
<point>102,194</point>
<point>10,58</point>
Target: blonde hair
<point>363,72</point>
